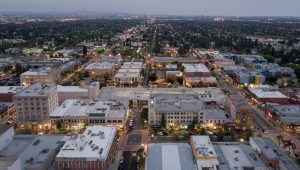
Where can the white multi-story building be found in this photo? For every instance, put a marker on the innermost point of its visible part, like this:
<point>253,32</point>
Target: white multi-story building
<point>75,114</point>
<point>204,153</point>
<point>177,109</point>
<point>40,75</point>
<point>35,103</point>
<point>94,149</point>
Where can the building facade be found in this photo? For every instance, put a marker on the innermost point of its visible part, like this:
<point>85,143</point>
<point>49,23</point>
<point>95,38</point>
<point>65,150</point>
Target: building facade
<point>34,105</point>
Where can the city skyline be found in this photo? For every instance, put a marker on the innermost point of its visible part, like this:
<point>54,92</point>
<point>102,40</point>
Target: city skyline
<point>158,7</point>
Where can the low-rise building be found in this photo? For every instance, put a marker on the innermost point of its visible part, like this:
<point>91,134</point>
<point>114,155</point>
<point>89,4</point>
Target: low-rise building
<point>239,156</point>
<point>129,73</point>
<point>7,92</point>
<point>204,153</point>
<point>32,152</point>
<point>34,105</point>
<point>166,156</point>
<point>40,75</point>
<point>239,110</point>
<point>75,114</point>
<point>271,154</point>
<point>94,149</point>
<point>196,70</point>
<point>265,93</point>
<point>100,69</point>
<point>6,135</point>
<point>89,91</point>
<point>288,115</point>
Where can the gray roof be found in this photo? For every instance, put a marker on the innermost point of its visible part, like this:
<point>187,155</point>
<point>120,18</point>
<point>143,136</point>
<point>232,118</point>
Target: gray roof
<point>244,158</point>
<point>4,128</point>
<point>166,156</point>
<point>37,89</point>
<point>32,147</point>
<point>283,157</point>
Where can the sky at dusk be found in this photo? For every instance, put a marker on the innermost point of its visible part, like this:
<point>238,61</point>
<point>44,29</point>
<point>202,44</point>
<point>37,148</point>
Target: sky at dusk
<point>172,7</point>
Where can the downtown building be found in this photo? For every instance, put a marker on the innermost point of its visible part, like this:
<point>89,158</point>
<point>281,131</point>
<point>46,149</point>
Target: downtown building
<point>240,111</point>
<point>181,110</point>
<point>76,114</point>
<point>129,73</point>
<point>40,75</point>
<point>92,150</point>
<point>34,105</point>
<point>202,154</point>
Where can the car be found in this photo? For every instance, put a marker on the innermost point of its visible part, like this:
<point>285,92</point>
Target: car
<point>160,133</point>
<point>122,160</point>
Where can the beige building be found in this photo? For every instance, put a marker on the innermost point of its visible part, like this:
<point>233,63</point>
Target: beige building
<point>129,73</point>
<point>34,105</point>
<point>100,69</point>
<point>40,75</point>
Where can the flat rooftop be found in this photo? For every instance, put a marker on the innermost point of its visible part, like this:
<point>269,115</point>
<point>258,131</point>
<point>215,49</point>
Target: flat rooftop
<point>11,89</point>
<point>195,68</point>
<point>262,142</point>
<point>204,152</point>
<point>132,65</point>
<point>99,66</point>
<point>262,92</point>
<point>94,144</point>
<point>234,155</point>
<point>140,93</point>
<point>128,73</point>
<point>178,59</point>
<point>37,89</point>
<point>4,128</point>
<point>289,114</point>
<point>39,71</point>
<point>32,149</point>
<point>84,108</point>
<point>6,162</point>
<point>166,156</point>
<point>217,114</point>
<point>74,89</point>
<point>174,102</point>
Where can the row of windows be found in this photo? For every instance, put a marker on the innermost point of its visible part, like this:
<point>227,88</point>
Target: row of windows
<point>177,113</point>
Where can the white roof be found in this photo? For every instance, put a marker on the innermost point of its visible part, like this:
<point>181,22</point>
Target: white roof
<point>204,148</point>
<point>39,71</point>
<point>11,89</point>
<point>93,144</point>
<point>132,65</point>
<point>128,73</point>
<point>82,108</point>
<point>104,65</point>
<point>195,68</point>
<point>266,92</point>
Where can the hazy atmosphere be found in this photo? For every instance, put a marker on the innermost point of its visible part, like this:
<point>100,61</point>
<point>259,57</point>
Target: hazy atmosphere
<point>174,7</point>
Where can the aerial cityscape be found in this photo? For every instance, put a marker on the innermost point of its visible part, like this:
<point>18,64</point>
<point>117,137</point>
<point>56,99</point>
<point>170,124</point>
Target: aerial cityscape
<point>168,87</point>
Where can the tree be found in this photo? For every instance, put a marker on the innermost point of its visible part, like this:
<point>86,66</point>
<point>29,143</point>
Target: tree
<point>19,69</point>
<point>203,131</point>
<point>220,135</point>
<point>163,121</point>
<point>84,50</point>
<point>180,80</point>
<point>152,77</point>
<point>59,125</point>
<point>192,125</point>
<point>86,74</point>
<point>144,114</point>
<point>169,80</point>
<point>280,138</point>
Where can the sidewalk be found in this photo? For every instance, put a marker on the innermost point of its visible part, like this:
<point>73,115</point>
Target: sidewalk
<point>116,161</point>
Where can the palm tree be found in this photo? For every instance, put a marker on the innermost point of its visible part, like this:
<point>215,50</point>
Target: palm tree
<point>279,138</point>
